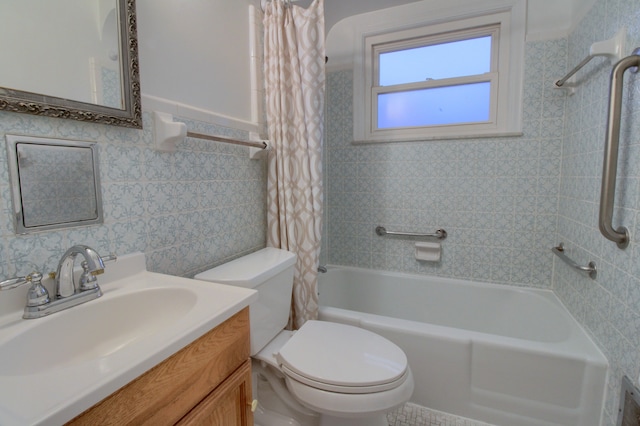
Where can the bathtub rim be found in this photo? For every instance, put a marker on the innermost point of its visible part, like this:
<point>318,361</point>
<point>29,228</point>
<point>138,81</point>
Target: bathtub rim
<point>448,280</point>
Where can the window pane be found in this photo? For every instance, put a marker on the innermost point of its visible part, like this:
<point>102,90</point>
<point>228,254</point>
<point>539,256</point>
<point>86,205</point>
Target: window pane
<point>445,60</point>
<point>466,103</point>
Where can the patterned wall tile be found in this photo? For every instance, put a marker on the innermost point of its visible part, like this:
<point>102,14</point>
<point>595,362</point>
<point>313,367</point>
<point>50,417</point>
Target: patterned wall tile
<point>485,192</point>
<point>35,253</point>
<point>606,307</point>
<point>120,163</point>
<point>123,200</point>
<point>96,237</point>
<point>164,204</point>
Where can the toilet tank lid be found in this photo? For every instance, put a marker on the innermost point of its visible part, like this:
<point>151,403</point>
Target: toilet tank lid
<point>250,270</point>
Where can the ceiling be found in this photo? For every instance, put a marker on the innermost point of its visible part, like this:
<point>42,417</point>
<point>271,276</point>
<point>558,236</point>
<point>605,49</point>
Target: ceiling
<point>336,10</point>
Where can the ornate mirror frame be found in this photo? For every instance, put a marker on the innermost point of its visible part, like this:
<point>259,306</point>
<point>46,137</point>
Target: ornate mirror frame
<point>51,106</point>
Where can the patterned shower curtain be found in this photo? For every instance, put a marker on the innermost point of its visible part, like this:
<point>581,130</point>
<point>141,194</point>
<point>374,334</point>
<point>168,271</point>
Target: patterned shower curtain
<point>294,84</point>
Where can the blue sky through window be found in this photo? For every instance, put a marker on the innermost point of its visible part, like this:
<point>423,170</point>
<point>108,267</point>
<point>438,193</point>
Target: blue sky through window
<point>465,103</point>
<point>438,61</point>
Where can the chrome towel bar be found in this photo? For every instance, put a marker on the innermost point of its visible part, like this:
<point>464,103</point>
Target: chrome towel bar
<point>590,269</point>
<point>612,48</point>
<point>259,145</point>
<point>167,133</point>
<point>619,236</point>
<point>440,234</point>
<point>577,68</point>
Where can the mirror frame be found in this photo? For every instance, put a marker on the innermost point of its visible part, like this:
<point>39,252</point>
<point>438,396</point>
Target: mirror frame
<point>51,106</point>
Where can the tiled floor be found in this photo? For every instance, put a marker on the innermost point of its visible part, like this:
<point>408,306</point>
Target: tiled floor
<point>415,415</point>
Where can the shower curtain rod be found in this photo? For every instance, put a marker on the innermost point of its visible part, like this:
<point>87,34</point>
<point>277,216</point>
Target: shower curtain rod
<point>263,3</point>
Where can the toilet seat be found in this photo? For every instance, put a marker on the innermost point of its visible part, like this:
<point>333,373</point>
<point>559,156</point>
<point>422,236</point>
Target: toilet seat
<point>341,358</point>
<point>351,405</point>
<point>343,389</point>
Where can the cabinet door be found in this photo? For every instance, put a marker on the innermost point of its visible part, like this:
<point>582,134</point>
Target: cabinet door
<point>228,405</point>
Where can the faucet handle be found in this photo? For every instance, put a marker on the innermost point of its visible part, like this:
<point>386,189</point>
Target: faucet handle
<point>88,281</point>
<point>13,283</point>
<point>37,294</point>
<point>18,281</point>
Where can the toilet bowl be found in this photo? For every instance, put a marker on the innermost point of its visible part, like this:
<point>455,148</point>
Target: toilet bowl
<point>324,373</point>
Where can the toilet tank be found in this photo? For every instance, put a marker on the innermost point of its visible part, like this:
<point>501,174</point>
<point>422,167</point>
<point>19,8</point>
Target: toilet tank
<point>270,272</point>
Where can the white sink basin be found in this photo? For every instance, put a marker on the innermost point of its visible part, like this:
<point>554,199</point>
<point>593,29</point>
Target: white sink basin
<point>91,331</point>
<point>54,368</point>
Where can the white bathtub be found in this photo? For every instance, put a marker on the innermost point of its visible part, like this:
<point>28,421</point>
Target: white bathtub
<point>500,354</point>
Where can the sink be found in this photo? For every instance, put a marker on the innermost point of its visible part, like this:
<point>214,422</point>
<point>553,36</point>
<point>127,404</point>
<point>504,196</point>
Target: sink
<point>93,330</point>
<point>54,368</point>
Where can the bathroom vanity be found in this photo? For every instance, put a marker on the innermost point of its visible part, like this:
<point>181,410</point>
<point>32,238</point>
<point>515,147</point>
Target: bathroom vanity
<point>207,382</point>
<point>153,349</point>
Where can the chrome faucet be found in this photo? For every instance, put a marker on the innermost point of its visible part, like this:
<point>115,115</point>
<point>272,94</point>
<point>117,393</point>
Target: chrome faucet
<point>66,293</point>
<point>65,286</point>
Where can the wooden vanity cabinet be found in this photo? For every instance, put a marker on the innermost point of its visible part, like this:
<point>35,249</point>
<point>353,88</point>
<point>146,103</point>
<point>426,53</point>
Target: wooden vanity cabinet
<point>208,382</point>
<point>227,405</point>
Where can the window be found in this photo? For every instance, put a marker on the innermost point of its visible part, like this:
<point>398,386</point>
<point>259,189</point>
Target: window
<point>443,80</point>
<point>451,79</point>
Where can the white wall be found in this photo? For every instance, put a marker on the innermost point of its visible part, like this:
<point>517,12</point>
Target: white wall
<point>57,64</point>
<point>546,15</point>
<point>546,20</point>
<point>196,53</point>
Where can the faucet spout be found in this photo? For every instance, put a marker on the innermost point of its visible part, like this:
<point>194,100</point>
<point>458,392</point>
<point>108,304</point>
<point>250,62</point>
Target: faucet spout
<point>64,285</point>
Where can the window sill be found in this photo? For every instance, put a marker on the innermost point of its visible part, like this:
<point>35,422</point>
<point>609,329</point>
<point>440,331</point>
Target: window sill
<point>427,138</point>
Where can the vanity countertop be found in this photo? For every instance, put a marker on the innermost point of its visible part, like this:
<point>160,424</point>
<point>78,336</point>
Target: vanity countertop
<point>56,367</point>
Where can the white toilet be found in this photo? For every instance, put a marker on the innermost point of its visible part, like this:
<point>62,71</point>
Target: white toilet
<point>325,373</point>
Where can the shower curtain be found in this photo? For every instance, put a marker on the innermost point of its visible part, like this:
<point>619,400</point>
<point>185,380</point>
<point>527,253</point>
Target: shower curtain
<point>294,84</point>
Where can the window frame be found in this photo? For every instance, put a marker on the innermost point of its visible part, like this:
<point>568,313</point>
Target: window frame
<point>507,23</point>
<point>491,77</point>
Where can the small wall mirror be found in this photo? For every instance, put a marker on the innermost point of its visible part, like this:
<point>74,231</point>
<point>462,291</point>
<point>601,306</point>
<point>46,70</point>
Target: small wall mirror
<point>74,59</point>
<point>55,183</point>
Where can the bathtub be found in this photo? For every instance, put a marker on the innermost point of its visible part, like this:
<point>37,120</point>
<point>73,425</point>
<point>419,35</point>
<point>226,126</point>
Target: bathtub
<point>500,354</point>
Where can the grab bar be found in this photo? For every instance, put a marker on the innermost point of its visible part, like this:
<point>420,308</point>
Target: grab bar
<point>610,163</point>
<point>440,234</point>
<point>590,269</point>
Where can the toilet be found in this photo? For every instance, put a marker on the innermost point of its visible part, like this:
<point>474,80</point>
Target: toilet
<point>325,373</point>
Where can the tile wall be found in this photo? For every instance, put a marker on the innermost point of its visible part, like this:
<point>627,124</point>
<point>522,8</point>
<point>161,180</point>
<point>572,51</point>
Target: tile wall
<point>187,210</point>
<point>608,307</point>
<point>496,198</point>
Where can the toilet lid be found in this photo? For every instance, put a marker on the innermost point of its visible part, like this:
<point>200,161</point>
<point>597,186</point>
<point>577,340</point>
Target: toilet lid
<point>342,358</point>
